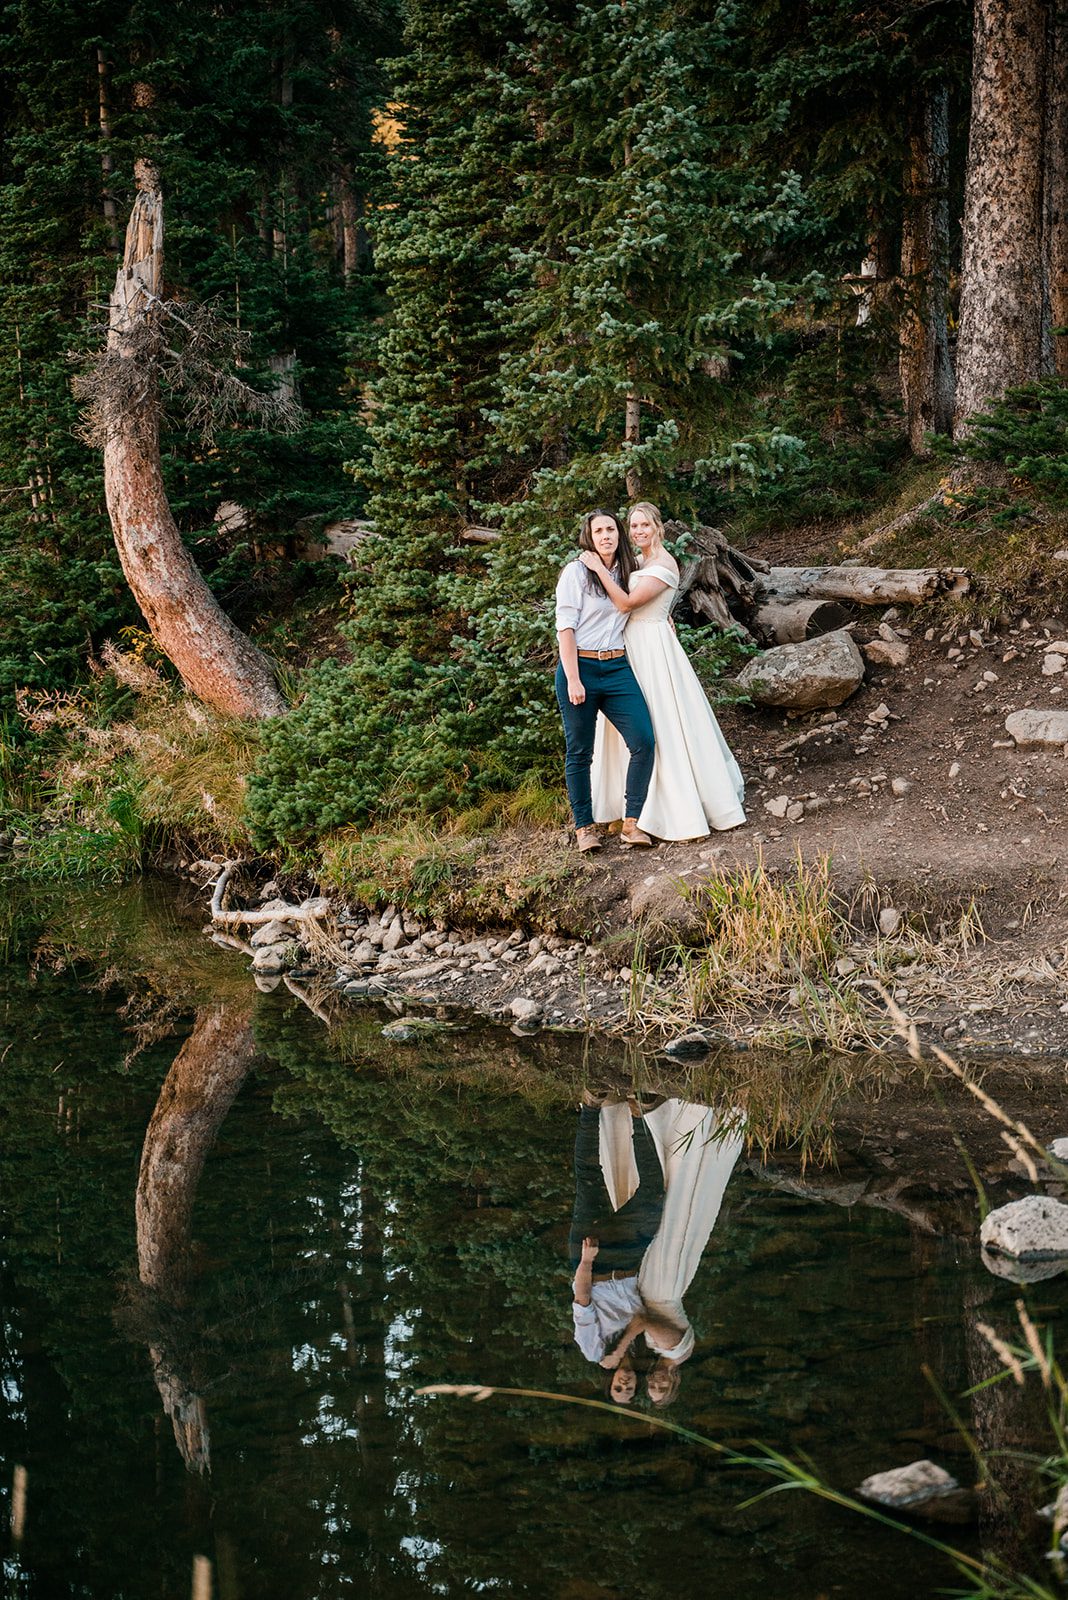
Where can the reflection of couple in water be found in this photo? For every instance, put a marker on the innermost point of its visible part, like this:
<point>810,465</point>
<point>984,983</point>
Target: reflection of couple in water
<point>649,1183</point>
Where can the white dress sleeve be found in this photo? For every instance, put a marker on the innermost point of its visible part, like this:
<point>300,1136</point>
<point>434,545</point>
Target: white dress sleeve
<point>659,569</point>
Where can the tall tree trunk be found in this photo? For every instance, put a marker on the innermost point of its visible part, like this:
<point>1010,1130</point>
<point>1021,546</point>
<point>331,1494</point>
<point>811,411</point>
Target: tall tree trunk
<point>217,662</point>
<point>1000,339</point>
<point>111,214</point>
<point>353,233</point>
<point>1055,219</point>
<point>924,364</point>
<point>632,433</point>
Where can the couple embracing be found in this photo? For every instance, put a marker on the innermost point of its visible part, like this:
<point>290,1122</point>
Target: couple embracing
<point>655,757</point>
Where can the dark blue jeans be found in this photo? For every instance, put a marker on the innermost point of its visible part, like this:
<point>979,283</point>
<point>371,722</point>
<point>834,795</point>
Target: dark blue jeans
<point>625,1235</point>
<point>610,687</point>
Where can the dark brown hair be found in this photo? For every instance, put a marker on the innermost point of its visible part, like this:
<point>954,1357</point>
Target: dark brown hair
<point>626,560</point>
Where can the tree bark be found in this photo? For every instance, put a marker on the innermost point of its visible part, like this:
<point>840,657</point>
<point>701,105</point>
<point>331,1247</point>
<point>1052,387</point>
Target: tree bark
<point>1000,341</point>
<point>632,433</point>
<point>864,586</point>
<point>353,233</point>
<point>924,364</point>
<point>1055,218</point>
<point>216,661</point>
<point>107,166</point>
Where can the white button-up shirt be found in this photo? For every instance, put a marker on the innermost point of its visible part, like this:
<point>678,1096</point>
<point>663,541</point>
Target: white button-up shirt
<point>597,623</point>
<point>598,1325</point>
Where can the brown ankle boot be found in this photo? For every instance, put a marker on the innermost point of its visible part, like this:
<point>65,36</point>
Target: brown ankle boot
<point>632,835</point>
<point>588,838</point>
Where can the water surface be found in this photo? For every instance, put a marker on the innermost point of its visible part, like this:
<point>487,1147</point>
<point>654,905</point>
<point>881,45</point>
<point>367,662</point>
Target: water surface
<point>234,1245</point>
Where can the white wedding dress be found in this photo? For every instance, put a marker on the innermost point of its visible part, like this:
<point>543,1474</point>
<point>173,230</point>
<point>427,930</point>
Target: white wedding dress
<point>696,783</point>
<point>698,1149</point>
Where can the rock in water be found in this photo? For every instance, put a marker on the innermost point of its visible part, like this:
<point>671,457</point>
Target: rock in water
<point>921,1489</point>
<point>524,1009</point>
<point>1032,1229</point>
<point>688,1047</point>
<point>816,672</point>
<point>1038,730</point>
<point>413,1030</point>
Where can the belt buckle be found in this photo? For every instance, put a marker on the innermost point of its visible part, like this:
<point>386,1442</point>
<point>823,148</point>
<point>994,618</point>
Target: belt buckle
<point>605,655</point>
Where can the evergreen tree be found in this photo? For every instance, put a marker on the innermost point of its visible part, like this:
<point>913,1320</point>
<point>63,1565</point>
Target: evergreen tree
<point>395,719</point>
<point>250,113</point>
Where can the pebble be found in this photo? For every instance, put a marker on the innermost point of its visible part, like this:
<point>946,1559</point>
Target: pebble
<point>900,787</point>
<point>890,920</point>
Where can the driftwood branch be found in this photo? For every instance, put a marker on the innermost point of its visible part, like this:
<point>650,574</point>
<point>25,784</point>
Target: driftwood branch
<point>307,911</point>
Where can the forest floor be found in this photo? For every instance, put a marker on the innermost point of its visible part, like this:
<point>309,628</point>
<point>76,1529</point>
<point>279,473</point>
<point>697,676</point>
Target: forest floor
<point>926,813</point>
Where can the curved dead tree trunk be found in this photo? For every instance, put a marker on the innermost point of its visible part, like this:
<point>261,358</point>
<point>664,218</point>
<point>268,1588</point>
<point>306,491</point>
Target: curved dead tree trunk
<point>217,662</point>
<point>197,1093</point>
<point>1001,308</point>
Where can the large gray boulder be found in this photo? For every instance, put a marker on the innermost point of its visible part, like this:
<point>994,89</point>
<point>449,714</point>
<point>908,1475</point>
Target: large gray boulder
<point>1038,730</point>
<point>815,672</point>
<point>1034,1228</point>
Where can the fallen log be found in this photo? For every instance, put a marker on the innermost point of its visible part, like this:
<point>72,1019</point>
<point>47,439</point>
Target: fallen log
<point>862,586</point>
<point>799,619</point>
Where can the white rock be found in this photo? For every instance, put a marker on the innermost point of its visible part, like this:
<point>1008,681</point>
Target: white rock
<point>886,652</point>
<point>795,811</point>
<point>1038,730</point>
<point>271,933</point>
<point>816,672</point>
<point>909,1486</point>
<point>271,958</point>
<point>889,921</point>
<point>954,769</point>
<point>1034,1227</point>
<point>524,1009</point>
<point>900,787</point>
<point>880,714</point>
<point>394,936</point>
<point>778,806</point>
<point>1059,1149</point>
<point>1052,664</point>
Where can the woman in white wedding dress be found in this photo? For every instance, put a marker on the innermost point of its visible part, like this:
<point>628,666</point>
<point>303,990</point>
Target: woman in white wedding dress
<point>698,1149</point>
<point>696,784</point>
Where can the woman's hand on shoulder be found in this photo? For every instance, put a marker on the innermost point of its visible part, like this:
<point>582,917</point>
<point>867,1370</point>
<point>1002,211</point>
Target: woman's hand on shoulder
<point>591,559</point>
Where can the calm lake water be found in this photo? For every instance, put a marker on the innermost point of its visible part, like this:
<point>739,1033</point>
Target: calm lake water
<point>234,1245</point>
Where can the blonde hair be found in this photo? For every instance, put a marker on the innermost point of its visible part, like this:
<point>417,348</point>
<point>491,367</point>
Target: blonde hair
<point>653,513</point>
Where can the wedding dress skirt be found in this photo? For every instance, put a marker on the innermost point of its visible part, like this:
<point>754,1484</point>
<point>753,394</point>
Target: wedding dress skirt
<point>696,783</point>
<point>698,1149</point>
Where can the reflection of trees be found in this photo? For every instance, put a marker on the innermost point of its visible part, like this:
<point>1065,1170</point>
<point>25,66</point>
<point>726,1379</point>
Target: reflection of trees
<point>197,1093</point>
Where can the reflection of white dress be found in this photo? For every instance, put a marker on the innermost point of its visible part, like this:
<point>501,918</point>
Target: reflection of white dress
<point>696,782</point>
<point>698,1150</point>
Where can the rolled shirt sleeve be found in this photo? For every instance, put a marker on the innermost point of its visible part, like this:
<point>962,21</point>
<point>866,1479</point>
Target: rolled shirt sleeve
<point>568,597</point>
<point>589,1335</point>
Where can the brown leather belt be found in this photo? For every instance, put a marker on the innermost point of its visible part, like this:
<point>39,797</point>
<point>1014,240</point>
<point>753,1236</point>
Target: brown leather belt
<point>601,655</point>
<point>614,1277</point>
